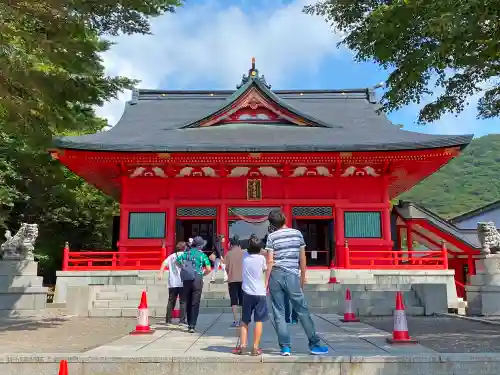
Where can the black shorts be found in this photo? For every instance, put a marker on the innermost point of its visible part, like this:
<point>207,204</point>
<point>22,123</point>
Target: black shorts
<point>235,293</point>
<point>256,305</point>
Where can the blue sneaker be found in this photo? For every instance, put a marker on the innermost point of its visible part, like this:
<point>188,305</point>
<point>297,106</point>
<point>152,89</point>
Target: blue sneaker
<point>295,322</point>
<point>235,324</point>
<point>319,350</point>
<point>285,351</point>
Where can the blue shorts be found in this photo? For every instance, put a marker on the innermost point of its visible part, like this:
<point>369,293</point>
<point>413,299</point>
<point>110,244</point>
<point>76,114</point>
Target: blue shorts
<point>256,305</point>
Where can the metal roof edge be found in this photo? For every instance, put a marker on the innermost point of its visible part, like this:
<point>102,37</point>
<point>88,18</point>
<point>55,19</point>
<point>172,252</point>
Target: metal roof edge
<point>141,92</point>
<point>477,211</point>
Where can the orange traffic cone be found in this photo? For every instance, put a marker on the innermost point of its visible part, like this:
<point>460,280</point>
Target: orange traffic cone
<point>400,333</point>
<point>349,315</point>
<point>332,279</point>
<point>142,326</point>
<point>63,367</point>
<point>176,313</point>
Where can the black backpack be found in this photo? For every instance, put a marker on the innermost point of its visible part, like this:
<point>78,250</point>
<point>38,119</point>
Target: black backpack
<point>188,269</point>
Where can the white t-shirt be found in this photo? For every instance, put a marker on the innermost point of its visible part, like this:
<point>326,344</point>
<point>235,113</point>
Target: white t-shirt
<point>254,266</point>
<point>174,274</point>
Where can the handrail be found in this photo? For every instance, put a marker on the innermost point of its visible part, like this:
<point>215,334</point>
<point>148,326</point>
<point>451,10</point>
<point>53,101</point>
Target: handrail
<point>112,260</point>
<point>392,259</point>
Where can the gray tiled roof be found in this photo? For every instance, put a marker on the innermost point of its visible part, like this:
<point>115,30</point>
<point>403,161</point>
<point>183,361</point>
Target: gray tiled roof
<point>153,121</point>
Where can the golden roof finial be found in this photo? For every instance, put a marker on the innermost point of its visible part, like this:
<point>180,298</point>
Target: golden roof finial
<point>253,63</point>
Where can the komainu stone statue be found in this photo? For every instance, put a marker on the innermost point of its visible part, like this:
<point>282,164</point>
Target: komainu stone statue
<point>488,237</point>
<point>21,245</point>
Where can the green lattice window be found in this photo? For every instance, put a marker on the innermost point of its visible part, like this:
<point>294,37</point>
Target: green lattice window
<point>358,224</point>
<point>146,225</point>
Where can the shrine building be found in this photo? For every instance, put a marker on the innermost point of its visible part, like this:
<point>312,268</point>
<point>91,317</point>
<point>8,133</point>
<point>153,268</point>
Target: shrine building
<point>187,163</point>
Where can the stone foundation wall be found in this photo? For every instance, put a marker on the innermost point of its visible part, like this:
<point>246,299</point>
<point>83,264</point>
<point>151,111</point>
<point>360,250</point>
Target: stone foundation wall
<point>21,290</point>
<point>413,277</point>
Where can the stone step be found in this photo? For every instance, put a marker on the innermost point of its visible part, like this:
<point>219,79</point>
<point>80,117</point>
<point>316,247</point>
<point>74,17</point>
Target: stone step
<point>160,311</point>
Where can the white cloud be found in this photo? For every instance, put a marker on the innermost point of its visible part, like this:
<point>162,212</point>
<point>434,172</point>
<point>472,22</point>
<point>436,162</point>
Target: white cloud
<point>210,40</point>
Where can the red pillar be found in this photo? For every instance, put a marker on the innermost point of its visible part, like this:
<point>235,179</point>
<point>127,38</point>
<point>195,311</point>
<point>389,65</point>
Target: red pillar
<point>123,213</point>
<point>171,218</point>
<point>339,237</point>
<point>287,210</point>
<point>409,236</point>
<point>222,225</point>
<point>471,270</point>
<point>386,224</point>
<point>386,213</point>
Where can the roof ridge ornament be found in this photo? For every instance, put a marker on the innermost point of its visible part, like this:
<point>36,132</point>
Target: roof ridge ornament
<point>253,74</point>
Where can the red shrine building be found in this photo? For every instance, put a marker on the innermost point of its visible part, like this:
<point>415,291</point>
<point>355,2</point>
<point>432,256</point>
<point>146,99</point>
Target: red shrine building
<point>187,163</point>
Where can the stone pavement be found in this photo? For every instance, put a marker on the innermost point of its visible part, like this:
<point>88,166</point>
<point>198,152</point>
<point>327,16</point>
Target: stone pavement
<point>355,349</point>
<point>215,338</point>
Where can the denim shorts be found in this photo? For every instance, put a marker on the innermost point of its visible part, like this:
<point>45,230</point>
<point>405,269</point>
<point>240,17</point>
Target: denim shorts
<point>256,305</point>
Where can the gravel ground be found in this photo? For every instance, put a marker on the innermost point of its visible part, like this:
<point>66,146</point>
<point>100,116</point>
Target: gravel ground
<point>54,332</point>
<point>447,335</point>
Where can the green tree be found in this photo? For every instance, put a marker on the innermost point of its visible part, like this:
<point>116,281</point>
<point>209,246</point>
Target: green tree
<point>450,44</point>
<point>468,182</point>
<point>51,79</point>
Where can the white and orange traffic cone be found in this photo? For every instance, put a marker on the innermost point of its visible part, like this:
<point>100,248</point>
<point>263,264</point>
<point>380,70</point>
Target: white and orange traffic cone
<point>349,315</point>
<point>400,333</point>
<point>332,279</point>
<point>142,326</point>
<point>176,313</point>
<point>63,367</point>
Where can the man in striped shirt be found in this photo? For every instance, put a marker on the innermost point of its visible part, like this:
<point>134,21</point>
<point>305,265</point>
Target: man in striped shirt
<point>287,262</point>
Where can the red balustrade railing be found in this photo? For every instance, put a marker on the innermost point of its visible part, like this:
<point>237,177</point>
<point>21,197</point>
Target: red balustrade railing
<point>354,259</point>
<point>112,260</point>
<point>396,259</point>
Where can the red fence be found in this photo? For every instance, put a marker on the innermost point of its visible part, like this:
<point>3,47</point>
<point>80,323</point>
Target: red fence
<point>112,260</point>
<point>396,259</point>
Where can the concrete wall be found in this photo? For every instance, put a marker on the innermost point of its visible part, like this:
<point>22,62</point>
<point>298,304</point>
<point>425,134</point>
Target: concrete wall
<point>21,290</point>
<point>438,364</point>
<point>81,278</point>
<point>368,300</point>
<point>382,277</point>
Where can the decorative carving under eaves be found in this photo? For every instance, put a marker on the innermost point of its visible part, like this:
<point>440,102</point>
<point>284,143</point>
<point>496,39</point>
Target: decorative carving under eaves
<point>357,171</point>
<point>254,172</point>
<point>148,172</point>
<point>197,172</point>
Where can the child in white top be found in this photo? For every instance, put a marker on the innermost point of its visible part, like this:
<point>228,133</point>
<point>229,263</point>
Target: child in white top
<point>254,295</point>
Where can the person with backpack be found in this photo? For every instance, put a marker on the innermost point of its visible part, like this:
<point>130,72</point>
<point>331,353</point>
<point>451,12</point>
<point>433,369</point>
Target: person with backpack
<point>175,284</point>
<point>194,264</point>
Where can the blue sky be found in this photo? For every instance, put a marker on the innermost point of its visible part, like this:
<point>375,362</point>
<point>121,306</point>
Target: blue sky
<point>208,44</point>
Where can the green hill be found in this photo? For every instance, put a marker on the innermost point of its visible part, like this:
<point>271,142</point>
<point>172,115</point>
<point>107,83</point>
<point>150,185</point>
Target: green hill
<point>470,181</point>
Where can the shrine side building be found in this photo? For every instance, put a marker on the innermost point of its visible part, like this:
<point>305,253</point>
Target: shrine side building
<point>187,163</point>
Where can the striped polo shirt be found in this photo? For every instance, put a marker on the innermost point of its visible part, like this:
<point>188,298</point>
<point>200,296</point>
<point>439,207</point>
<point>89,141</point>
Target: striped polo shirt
<point>285,245</point>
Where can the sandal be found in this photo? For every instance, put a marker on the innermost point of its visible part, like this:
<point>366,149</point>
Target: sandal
<point>256,352</point>
<point>239,350</point>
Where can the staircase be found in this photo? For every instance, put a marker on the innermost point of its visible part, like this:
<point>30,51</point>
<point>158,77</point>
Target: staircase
<point>122,300</point>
